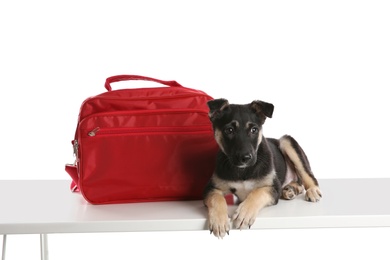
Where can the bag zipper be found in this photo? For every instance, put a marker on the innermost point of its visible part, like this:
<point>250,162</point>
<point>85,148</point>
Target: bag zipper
<point>136,112</point>
<point>146,112</point>
<point>169,129</point>
<point>75,151</point>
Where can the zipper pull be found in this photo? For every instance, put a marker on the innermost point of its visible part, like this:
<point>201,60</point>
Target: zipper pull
<point>75,151</point>
<point>94,131</point>
<point>75,147</point>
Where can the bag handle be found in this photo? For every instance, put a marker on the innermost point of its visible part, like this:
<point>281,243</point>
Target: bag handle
<point>118,78</point>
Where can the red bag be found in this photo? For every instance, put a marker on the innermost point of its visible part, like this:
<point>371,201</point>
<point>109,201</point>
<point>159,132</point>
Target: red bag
<point>145,144</point>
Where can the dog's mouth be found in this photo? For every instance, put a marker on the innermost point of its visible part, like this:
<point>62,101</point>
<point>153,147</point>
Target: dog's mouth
<point>243,166</point>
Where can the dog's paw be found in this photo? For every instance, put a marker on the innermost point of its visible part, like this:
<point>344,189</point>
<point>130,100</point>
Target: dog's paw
<point>288,193</point>
<point>219,224</point>
<point>292,190</point>
<point>313,194</point>
<point>245,215</point>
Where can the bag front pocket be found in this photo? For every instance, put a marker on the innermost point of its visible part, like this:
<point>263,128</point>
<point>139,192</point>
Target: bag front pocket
<point>165,161</point>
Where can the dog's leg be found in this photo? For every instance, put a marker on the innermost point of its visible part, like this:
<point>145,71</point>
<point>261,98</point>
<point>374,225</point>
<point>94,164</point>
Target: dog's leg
<point>291,190</point>
<point>247,211</point>
<point>296,155</point>
<point>219,222</point>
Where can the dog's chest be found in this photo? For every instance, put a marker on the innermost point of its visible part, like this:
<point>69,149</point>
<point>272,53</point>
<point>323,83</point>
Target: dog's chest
<point>242,188</point>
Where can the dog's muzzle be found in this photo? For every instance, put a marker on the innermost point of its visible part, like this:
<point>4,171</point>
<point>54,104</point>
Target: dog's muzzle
<point>244,160</point>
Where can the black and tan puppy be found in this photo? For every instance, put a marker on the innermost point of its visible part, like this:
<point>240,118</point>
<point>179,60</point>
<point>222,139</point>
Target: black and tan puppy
<point>256,169</point>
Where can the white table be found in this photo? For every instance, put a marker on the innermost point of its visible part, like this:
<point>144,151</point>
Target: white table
<point>45,207</point>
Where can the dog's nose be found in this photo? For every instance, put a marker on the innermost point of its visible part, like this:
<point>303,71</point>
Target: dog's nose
<point>246,158</point>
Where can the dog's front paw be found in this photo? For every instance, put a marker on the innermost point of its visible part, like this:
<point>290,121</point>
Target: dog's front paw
<point>245,215</point>
<point>219,224</point>
<point>313,194</point>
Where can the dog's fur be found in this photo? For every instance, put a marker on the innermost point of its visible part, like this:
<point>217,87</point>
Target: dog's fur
<point>257,170</point>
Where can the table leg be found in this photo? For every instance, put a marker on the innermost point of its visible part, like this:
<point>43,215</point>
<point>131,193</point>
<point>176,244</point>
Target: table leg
<point>44,247</point>
<point>4,246</point>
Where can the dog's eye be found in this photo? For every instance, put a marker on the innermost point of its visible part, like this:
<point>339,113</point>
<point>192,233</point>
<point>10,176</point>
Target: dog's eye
<point>254,130</point>
<point>229,131</point>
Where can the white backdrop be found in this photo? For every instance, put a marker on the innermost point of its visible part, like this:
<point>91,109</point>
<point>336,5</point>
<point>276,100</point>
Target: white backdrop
<point>323,64</point>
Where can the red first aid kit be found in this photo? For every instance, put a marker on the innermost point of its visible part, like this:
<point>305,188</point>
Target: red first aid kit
<point>143,144</point>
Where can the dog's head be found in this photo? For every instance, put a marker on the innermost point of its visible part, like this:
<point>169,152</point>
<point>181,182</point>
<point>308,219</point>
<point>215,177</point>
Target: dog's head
<point>238,129</point>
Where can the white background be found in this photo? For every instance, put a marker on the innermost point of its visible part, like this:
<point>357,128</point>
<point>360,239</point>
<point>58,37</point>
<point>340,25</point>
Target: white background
<point>325,65</point>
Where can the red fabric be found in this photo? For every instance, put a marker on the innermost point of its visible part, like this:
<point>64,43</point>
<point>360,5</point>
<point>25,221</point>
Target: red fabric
<point>72,171</point>
<point>148,144</point>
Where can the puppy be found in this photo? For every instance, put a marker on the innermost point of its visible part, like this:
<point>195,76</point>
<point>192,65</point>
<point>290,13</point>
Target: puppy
<point>257,170</point>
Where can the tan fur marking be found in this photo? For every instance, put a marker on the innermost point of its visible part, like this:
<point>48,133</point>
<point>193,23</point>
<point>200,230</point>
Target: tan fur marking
<point>292,155</point>
<point>235,123</point>
<point>218,138</point>
<point>297,187</point>
<point>219,222</point>
<point>247,211</point>
<point>291,190</point>
<point>260,138</point>
<point>243,188</point>
<point>313,192</point>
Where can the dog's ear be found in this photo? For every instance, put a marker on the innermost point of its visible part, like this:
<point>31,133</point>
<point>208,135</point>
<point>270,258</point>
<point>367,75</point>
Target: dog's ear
<point>216,106</point>
<point>262,108</point>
